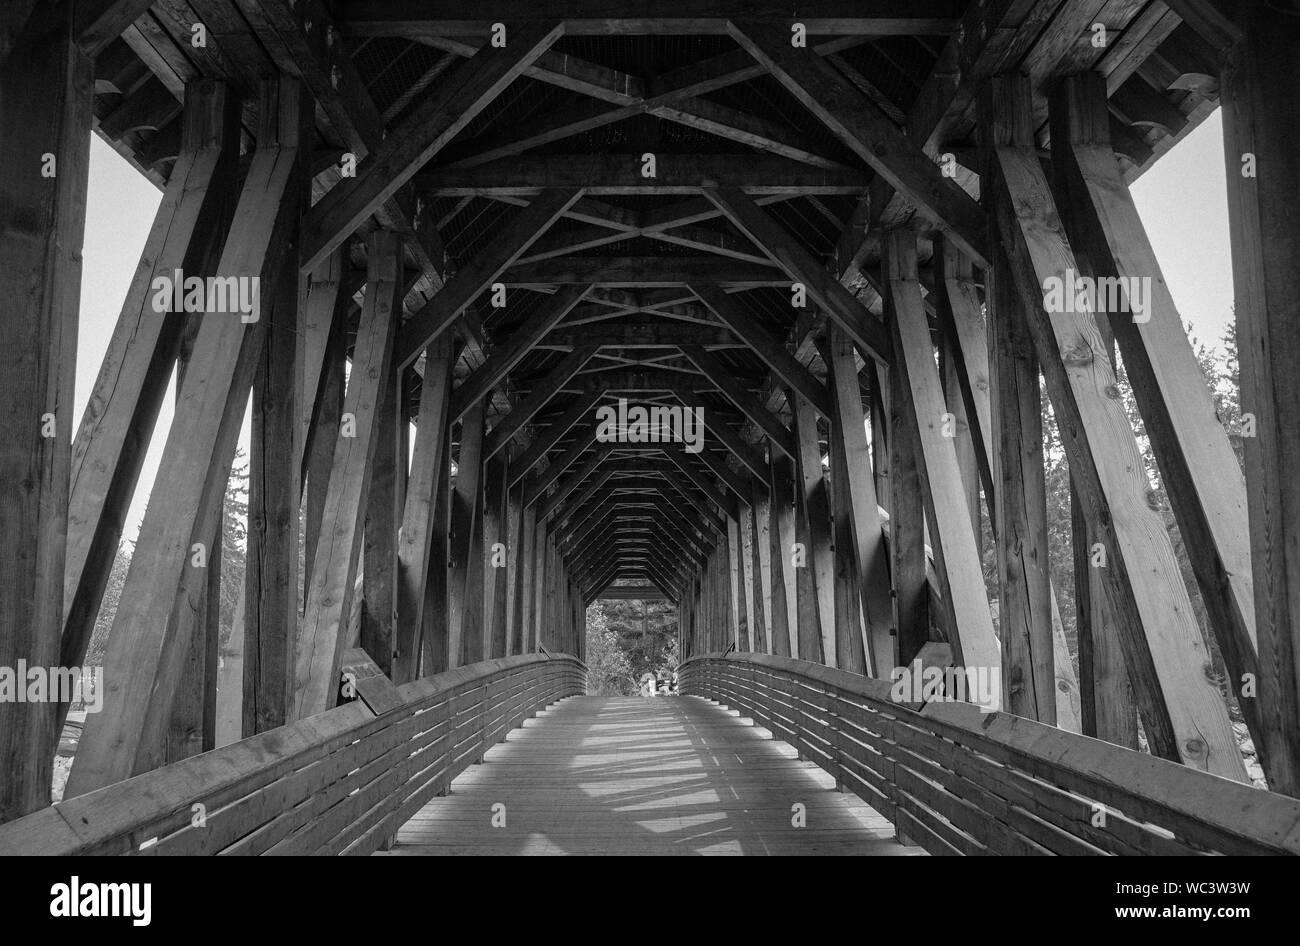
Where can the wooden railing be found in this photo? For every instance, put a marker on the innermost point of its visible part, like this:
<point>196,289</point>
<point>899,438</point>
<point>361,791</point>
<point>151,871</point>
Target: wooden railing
<point>958,781</point>
<point>338,783</point>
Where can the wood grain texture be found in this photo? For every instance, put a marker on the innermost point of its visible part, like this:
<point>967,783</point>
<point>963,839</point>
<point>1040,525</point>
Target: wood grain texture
<point>633,775</point>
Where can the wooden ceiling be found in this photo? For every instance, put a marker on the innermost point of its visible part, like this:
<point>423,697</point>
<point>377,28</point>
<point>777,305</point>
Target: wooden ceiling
<point>627,83</point>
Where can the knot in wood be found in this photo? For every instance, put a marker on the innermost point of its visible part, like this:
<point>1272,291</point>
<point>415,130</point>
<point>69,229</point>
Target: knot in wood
<point>1077,355</point>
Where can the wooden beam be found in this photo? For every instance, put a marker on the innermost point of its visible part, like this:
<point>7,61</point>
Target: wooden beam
<point>448,303</point>
<point>822,288</point>
<point>302,39</point>
<point>328,602</point>
<point>383,511</point>
<point>732,440</point>
<point>1019,505</point>
<point>1198,467</point>
<point>542,392</point>
<point>413,20</point>
<point>572,481</point>
<point>153,623</point>
<point>641,271</point>
<point>761,506</point>
<point>434,643</point>
<point>868,131</point>
<point>13,17</point>
<point>621,175</point>
<point>1260,122</point>
<point>416,536</point>
<point>774,355</point>
<point>816,574</point>
<point>894,433</point>
<point>463,612</point>
<point>124,403</point>
<point>522,612</point>
<point>520,343</point>
<point>98,22</point>
<point>848,430</point>
<point>46,93</point>
<point>270,587</point>
<point>956,556</point>
<point>785,614</point>
<point>1183,713</point>
<point>420,136</point>
<point>495,558</point>
<point>551,435</point>
<point>850,640</point>
<point>752,408</point>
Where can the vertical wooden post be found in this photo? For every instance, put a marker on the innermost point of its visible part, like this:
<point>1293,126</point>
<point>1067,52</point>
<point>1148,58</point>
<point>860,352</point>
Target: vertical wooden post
<point>762,550</point>
<point>956,557</point>
<point>464,617</point>
<point>366,404</point>
<point>496,573</point>
<point>1261,141</point>
<point>418,538</point>
<point>523,633</point>
<point>750,633</point>
<point>785,615</point>
<point>906,519</point>
<point>816,577</point>
<point>318,456</point>
<point>434,648</point>
<point>850,638</point>
<point>735,601</point>
<point>514,577</point>
<point>270,590</point>
<point>540,579</point>
<point>860,507</point>
<point>1106,704</point>
<point>379,552</point>
<point>1020,504</point>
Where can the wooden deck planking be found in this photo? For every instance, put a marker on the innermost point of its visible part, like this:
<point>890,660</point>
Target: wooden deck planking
<point>633,775</point>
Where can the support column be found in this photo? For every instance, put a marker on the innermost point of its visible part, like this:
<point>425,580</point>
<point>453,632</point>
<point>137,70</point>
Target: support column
<point>816,577</point>
<point>1261,140</point>
<point>956,558</point>
<point>421,547</point>
<point>329,598</point>
<point>785,595</point>
<point>858,507</point>
<point>270,592</point>
<point>496,574</point>
<point>464,615</point>
<point>383,517</point>
<point>1020,504</point>
<point>762,550</point>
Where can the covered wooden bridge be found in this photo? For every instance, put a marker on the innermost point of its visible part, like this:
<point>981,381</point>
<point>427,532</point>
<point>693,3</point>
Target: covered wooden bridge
<point>826,230</point>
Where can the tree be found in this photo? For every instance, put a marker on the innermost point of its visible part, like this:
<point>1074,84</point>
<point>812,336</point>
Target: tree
<point>234,544</point>
<point>647,634</point>
<point>608,670</point>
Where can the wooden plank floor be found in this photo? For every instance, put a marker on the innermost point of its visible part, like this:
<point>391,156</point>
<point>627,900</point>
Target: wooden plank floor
<point>636,775</point>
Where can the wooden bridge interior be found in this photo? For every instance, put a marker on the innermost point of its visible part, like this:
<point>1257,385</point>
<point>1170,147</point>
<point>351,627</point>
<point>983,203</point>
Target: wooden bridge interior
<point>826,228</point>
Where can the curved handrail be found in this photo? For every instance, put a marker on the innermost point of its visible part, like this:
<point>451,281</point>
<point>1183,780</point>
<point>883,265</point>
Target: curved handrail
<point>339,782</point>
<point>957,780</point>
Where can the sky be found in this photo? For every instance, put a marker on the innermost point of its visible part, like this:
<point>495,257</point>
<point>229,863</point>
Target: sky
<point>1182,200</point>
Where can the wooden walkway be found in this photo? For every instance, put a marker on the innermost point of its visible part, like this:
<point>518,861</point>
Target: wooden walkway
<point>634,775</point>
